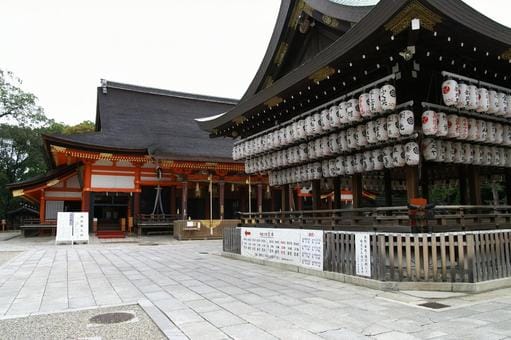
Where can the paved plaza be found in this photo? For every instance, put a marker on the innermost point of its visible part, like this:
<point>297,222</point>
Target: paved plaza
<point>190,291</point>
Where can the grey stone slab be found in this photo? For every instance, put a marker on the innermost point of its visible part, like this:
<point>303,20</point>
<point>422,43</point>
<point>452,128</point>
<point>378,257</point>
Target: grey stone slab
<point>248,332</point>
<point>222,318</point>
<point>342,334</point>
<point>202,330</point>
<point>182,316</point>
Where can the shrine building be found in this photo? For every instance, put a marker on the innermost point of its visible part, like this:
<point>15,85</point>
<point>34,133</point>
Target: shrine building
<point>147,157</point>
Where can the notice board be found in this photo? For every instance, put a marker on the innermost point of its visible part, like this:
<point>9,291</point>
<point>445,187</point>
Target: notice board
<point>292,246</point>
<point>72,227</point>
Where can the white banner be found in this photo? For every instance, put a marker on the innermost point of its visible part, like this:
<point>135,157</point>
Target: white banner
<point>293,246</point>
<point>363,254</point>
<point>72,227</point>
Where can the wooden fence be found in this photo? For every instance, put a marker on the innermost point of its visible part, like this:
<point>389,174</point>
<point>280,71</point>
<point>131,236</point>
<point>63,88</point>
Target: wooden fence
<point>471,257</point>
<point>440,257</point>
<point>232,240</point>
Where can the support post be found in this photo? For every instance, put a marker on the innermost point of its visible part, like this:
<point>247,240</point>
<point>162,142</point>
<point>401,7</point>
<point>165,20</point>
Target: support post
<point>474,185</point>
<point>387,187</point>
<point>221,198</point>
<point>173,200</point>
<point>412,181</point>
<point>316,194</point>
<point>273,200</point>
<point>462,177</point>
<point>356,190</point>
<point>337,192</point>
<point>425,182</point>
<point>283,197</point>
<point>291,197</point>
<point>260,198</point>
<point>184,200</point>
<point>42,208</point>
<point>508,186</point>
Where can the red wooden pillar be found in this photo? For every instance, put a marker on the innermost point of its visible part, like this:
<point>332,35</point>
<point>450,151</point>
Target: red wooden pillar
<point>87,174</point>
<point>337,193</point>
<point>299,201</point>
<point>184,200</point>
<point>42,208</point>
<point>173,200</point>
<point>356,190</point>
<point>221,198</point>
<point>412,181</point>
<point>136,205</point>
<point>260,197</point>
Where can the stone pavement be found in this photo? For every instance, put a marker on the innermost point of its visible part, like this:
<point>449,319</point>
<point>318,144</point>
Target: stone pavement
<point>207,296</point>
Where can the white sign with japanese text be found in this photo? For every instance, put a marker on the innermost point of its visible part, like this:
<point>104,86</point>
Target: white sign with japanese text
<point>293,246</point>
<point>363,254</point>
<point>72,227</point>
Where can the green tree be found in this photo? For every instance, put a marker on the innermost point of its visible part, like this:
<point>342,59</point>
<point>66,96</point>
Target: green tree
<point>17,106</point>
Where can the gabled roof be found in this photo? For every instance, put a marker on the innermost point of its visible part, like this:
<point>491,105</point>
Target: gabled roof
<point>140,120</point>
<point>336,18</point>
<point>457,13</point>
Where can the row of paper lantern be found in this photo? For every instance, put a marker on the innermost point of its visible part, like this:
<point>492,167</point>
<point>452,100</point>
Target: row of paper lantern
<point>438,150</point>
<point>453,126</point>
<point>380,130</point>
<point>472,98</point>
<point>389,157</point>
<point>367,105</point>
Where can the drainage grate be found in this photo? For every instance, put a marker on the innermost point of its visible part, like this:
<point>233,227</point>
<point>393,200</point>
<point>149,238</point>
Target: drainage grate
<point>148,244</point>
<point>433,305</point>
<point>109,318</point>
<point>203,253</point>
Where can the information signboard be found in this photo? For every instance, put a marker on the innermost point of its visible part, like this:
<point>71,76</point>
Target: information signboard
<point>293,246</point>
<point>72,227</point>
<point>363,254</point>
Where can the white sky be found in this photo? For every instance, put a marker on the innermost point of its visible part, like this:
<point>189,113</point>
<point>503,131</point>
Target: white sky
<point>62,48</point>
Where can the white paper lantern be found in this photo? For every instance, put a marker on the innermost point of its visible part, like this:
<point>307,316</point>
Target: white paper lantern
<point>388,97</point>
<point>361,135</point>
<point>377,159</point>
<point>450,92</point>
<point>342,140</point>
<point>412,156</point>
<point>398,155</point>
<point>454,126</point>
<point>333,146</point>
<point>368,161</point>
<point>381,132</point>
<point>343,113</point>
<point>493,102</point>
<point>406,122</point>
<point>333,116</point>
<point>371,129</point>
<point>364,105</point>
<point>387,157</point>
<point>374,101</point>
<point>340,164</point>
<point>393,126</point>
<point>463,128</point>
<point>325,120</point>
<point>353,110</point>
<point>473,98</point>
<point>484,100</point>
<point>429,123</point>
<point>429,145</point>
<point>482,128</point>
<point>463,96</point>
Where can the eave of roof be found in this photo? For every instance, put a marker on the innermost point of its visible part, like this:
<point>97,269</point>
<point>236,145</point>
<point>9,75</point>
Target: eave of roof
<point>376,18</point>
<point>60,171</point>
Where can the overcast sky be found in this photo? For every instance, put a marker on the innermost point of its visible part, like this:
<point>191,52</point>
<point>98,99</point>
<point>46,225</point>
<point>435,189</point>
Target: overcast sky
<point>62,48</point>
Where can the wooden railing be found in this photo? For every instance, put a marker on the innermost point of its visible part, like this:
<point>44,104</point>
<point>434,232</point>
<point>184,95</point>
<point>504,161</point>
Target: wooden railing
<point>446,257</point>
<point>468,257</point>
<point>390,219</point>
<point>156,218</point>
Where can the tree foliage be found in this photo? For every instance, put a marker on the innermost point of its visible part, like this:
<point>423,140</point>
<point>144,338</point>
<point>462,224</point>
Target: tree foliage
<point>16,105</point>
<point>22,121</point>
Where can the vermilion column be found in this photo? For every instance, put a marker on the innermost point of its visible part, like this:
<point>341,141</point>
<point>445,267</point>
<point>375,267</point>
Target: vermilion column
<point>221,198</point>
<point>42,208</point>
<point>184,200</point>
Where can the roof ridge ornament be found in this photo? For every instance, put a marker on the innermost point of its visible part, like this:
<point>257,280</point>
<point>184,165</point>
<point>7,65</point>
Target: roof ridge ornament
<point>415,10</point>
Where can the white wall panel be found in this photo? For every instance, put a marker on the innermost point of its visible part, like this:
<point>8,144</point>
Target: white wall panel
<point>114,182</point>
<point>52,208</point>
